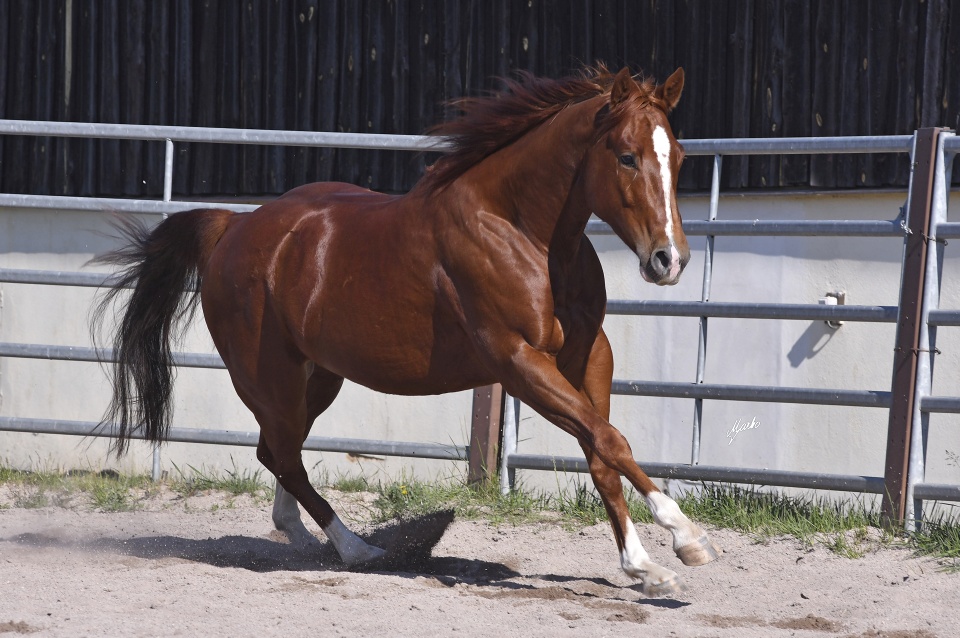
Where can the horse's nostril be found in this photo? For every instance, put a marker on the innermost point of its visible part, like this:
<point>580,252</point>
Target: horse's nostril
<point>661,262</point>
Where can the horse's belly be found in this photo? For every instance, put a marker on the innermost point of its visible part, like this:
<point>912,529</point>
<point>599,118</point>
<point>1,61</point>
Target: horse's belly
<point>389,372</point>
<point>411,353</point>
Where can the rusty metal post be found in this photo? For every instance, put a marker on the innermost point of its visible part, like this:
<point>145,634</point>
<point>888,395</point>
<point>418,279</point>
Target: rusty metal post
<point>486,431</point>
<point>903,385</point>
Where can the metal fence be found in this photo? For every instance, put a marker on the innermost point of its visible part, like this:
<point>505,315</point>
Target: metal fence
<point>932,317</point>
<point>696,390</point>
<point>921,403</point>
<point>169,135</point>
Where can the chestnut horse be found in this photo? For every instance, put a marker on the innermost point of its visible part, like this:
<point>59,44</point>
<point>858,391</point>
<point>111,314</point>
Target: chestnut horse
<point>480,274</point>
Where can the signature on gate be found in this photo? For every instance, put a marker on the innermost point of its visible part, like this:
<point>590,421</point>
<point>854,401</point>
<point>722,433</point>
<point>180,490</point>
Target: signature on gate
<point>742,426</point>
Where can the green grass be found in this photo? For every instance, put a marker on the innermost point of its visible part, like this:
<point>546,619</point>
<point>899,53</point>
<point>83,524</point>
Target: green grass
<point>235,482</point>
<point>848,529</point>
<point>107,490</point>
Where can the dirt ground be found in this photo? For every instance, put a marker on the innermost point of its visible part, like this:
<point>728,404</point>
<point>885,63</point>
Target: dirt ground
<point>211,565</point>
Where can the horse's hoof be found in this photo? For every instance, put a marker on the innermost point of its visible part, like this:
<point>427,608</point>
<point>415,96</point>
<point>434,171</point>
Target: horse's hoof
<point>699,552</point>
<point>669,586</point>
<point>370,557</point>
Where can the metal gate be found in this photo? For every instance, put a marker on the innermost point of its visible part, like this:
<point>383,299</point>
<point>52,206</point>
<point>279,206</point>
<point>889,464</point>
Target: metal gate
<point>485,440</point>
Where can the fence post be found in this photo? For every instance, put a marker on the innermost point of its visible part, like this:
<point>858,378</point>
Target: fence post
<point>903,385</point>
<point>486,431</point>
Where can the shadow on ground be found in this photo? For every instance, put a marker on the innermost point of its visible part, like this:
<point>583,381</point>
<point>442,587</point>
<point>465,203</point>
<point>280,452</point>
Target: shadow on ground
<point>409,544</point>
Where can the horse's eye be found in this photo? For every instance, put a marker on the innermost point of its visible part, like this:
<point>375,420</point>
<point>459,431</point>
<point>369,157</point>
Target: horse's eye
<point>628,160</point>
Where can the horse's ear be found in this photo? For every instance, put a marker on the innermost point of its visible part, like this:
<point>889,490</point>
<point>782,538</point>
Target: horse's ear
<point>670,90</point>
<point>623,85</point>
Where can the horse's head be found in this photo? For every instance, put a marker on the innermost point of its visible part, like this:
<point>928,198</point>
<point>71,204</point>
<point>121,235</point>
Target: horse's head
<point>630,174</point>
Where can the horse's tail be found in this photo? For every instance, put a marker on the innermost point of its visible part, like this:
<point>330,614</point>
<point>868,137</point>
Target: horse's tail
<point>160,265</point>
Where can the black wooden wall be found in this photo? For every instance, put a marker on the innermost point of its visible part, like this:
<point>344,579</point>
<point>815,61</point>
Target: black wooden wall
<point>754,68</point>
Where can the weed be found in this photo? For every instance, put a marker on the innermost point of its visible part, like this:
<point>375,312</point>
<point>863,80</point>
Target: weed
<point>351,483</point>
<point>113,497</point>
<point>30,498</point>
<point>235,481</point>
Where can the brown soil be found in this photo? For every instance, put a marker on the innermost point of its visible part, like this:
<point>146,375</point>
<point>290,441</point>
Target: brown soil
<point>211,565</point>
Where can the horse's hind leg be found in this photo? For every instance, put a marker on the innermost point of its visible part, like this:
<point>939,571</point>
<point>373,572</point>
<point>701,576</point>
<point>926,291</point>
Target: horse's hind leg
<point>322,388</point>
<point>689,541</point>
<point>279,401</point>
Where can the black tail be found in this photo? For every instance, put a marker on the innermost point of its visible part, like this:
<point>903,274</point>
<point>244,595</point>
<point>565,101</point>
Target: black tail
<point>160,265</point>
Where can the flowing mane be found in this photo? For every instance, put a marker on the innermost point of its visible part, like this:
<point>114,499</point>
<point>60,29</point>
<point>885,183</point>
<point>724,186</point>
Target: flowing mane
<point>492,122</point>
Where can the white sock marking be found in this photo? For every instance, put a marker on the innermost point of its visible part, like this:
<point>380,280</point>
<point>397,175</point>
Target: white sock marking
<point>634,559</point>
<point>667,514</point>
<point>351,547</point>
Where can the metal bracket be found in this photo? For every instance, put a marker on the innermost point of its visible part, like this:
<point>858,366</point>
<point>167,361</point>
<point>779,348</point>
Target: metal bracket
<point>838,298</point>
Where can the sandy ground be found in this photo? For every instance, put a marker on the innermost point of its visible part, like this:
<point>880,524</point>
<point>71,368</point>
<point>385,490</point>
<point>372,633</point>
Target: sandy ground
<point>211,565</point>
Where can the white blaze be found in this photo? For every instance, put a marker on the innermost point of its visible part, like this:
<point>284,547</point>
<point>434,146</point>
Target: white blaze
<point>661,146</point>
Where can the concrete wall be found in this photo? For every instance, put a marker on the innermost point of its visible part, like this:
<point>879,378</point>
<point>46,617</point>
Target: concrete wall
<point>788,353</point>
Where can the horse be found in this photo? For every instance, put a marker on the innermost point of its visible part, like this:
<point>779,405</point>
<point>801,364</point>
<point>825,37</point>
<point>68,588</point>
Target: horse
<point>480,274</point>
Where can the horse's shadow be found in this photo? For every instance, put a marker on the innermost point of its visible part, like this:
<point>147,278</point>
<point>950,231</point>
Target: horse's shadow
<point>409,545</point>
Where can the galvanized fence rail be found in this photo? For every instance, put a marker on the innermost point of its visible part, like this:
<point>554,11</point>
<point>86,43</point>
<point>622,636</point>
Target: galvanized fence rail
<point>169,135</point>
<point>933,317</point>
<point>510,458</point>
<point>699,391</point>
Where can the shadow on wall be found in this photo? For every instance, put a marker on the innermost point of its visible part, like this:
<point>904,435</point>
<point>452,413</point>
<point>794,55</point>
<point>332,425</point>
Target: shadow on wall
<point>811,342</point>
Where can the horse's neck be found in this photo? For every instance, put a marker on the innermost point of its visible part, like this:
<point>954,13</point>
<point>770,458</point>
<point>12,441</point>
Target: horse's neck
<point>531,181</point>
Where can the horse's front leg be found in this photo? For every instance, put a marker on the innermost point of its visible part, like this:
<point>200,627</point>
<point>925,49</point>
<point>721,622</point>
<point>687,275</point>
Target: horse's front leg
<point>690,543</point>
<point>534,378</point>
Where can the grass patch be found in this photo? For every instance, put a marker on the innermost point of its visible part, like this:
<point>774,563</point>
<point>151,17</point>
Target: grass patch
<point>351,484</point>
<point>769,514</point>
<point>940,538</point>
<point>848,529</point>
<point>235,482</point>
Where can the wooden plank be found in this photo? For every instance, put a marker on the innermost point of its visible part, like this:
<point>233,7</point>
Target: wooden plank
<point>229,98</point>
<point>795,90</point>
<point>159,95</point>
<point>181,81</point>
<point>206,74</point>
<point>108,106</point>
<point>425,80</point>
<point>935,36</point>
<point>373,90</point>
<point>43,69</point>
<point>826,102</point>
<point>848,88</point>
<point>277,16</point>
<point>554,63</point>
<point>23,17</point>
<point>455,27</point>
<point>85,70</point>
<point>740,73</point>
<point>253,84</point>
<point>486,433</point>
<point>951,95</point>
<point>395,90</point>
<point>327,85</point>
<point>348,107</point>
<point>606,23</point>
<point>902,98</point>
<point>132,81</point>
<point>903,386</point>
<point>303,60</point>
<point>579,30</point>
<point>880,60</point>
<point>766,97</point>
<point>62,156</point>
<point>525,36</point>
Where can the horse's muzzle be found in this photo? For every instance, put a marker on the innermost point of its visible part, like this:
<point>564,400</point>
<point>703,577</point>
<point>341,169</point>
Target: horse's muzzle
<point>664,266</point>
